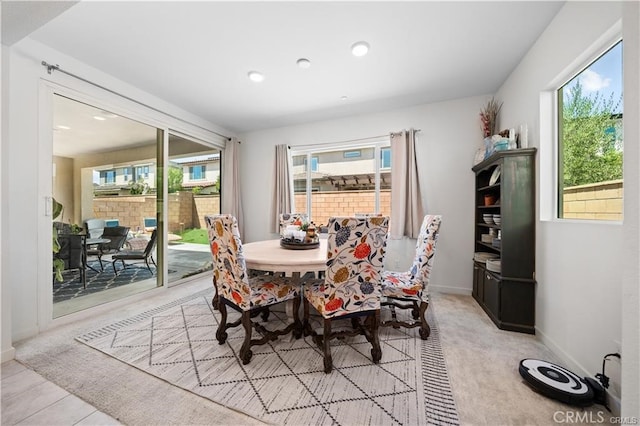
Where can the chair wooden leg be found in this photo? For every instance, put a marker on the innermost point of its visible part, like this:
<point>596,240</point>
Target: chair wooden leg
<point>265,314</point>
<point>245,350</point>
<point>326,348</point>
<point>297,327</point>
<point>221,334</point>
<point>306,325</point>
<point>376,351</point>
<point>425,330</point>
<point>215,300</point>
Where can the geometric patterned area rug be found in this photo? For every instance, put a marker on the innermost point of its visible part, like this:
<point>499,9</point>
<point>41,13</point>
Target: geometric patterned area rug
<point>285,382</point>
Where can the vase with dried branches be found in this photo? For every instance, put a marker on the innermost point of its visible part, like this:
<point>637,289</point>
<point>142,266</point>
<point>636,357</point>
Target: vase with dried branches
<point>489,117</point>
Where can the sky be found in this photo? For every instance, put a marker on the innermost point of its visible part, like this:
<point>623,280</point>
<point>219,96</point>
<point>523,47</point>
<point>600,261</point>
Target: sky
<point>604,76</point>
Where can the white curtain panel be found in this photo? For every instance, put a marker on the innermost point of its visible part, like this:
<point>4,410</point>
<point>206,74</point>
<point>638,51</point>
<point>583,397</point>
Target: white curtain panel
<point>231,201</point>
<point>283,194</point>
<point>407,211</point>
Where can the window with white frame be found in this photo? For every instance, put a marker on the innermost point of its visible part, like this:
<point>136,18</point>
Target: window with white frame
<point>385,160</point>
<point>197,172</point>
<point>142,172</point>
<point>590,140</point>
<point>108,176</point>
<point>346,184</point>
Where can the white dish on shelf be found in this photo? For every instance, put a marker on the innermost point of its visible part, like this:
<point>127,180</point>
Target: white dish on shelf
<point>493,265</point>
<point>482,256</point>
<point>488,219</point>
<point>495,176</point>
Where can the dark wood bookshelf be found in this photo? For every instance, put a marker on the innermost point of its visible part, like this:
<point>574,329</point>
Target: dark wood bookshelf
<point>508,297</point>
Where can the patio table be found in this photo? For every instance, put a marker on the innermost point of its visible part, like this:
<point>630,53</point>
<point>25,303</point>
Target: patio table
<point>94,242</point>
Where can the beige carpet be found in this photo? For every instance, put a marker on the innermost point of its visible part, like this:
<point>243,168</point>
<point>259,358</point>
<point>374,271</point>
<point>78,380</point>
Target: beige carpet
<point>482,364</point>
<point>285,382</point>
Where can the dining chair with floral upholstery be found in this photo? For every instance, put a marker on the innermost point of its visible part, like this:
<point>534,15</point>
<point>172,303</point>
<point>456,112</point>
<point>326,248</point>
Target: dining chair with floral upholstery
<point>410,290</point>
<point>351,286</point>
<point>247,295</point>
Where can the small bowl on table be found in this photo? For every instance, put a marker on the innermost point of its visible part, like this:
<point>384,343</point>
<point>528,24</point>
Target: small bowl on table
<point>487,218</point>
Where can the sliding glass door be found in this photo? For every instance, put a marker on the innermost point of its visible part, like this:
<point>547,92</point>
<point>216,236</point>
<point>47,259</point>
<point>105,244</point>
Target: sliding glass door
<point>105,187</point>
<point>193,191</point>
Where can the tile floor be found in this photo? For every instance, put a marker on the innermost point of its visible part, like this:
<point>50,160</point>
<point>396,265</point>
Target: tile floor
<point>30,399</point>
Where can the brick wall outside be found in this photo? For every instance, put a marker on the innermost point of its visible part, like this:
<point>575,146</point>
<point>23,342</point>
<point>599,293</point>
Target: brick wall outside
<point>327,204</point>
<point>602,201</point>
<point>185,210</point>
<point>204,205</point>
<point>129,210</point>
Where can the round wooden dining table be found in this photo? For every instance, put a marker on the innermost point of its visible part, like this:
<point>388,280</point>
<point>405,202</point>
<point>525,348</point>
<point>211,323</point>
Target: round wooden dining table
<point>269,256</point>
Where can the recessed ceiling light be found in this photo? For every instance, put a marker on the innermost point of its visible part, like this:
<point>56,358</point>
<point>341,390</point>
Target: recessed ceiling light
<point>303,63</point>
<point>99,118</point>
<point>255,76</point>
<point>343,98</point>
<point>360,48</point>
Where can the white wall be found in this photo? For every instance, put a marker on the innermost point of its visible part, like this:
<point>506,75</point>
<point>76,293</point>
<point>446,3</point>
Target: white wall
<point>445,148</point>
<point>6,350</point>
<point>631,228</point>
<point>578,263</point>
<point>26,267</point>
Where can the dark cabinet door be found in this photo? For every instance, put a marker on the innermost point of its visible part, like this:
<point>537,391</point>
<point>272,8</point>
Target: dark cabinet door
<point>492,295</point>
<point>478,282</point>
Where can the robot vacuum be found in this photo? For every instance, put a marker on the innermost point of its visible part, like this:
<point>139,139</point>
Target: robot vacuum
<point>557,382</point>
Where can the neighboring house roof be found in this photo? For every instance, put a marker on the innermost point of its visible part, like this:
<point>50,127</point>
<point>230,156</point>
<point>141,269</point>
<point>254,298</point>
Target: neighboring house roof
<point>193,184</point>
<point>212,159</point>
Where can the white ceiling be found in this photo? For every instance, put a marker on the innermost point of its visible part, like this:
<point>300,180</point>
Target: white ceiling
<point>196,55</point>
<point>76,131</point>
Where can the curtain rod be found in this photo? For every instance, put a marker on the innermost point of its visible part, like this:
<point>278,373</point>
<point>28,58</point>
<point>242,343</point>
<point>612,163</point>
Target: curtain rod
<point>51,68</point>
<point>350,140</point>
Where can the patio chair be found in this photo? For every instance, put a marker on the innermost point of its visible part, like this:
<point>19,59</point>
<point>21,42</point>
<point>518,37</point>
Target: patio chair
<point>351,286</point>
<point>149,224</point>
<point>72,253</point>
<point>145,255</point>
<point>117,235</point>
<point>62,227</point>
<point>94,227</point>
<point>410,290</point>
<point>247,295</point>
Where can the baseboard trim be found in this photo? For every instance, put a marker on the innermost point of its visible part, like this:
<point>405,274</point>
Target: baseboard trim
<point>576,367</point>
<point>451,290</point>
<point>8,355</point>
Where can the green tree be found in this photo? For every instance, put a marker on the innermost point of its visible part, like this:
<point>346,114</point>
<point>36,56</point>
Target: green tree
<point>174,179</point>
<point>590,149</point>
<point>217,184</point>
